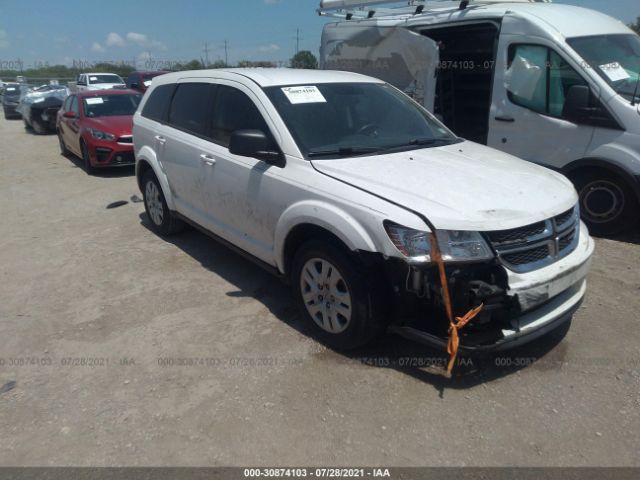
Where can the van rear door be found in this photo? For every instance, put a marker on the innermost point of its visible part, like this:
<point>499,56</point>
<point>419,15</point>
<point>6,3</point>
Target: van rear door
<point>401,57</point>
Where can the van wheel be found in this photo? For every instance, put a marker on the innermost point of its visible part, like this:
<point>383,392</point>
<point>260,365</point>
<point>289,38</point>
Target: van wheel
<point>86,159</point>
<point>336,295</point>
<point>163,221</point>
<point>607,203</point>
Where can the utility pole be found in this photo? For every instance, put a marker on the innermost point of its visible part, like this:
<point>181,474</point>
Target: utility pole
<point>226,53</point>
<point>206,51</point>
<point>297,40</point>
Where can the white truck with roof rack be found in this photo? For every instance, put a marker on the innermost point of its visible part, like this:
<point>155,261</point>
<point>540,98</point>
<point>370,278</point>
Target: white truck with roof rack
<point>522,76</point>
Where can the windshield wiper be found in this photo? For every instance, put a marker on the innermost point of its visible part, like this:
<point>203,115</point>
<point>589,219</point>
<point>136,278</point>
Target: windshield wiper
<point>343,152</point>
<point>423,142</point>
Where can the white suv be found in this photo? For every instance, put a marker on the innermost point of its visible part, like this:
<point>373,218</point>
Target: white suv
<point>99,81</point>
<point>337,182</point>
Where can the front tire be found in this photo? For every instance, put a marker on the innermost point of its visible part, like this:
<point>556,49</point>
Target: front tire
<point>607,203</point>
<point>162,220</point>
<point>86,159</point>
<point>338,296</point>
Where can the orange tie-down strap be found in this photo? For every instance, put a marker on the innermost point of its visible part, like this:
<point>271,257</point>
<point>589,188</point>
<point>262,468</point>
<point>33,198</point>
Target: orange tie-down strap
<point>454,327</point>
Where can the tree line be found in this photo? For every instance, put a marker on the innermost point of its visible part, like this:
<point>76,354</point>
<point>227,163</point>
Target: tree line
<point>303,59</point>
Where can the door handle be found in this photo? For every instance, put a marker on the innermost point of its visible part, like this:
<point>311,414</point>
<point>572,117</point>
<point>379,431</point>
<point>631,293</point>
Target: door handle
<point>161,139</point>
<point>208,160</point>
<point>505,119</point>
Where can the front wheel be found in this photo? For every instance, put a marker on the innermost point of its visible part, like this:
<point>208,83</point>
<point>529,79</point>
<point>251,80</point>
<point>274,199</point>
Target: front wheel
<point>340,298</point>
<point>86,159</point>
<point>607,203</point>
<point>163,221</point>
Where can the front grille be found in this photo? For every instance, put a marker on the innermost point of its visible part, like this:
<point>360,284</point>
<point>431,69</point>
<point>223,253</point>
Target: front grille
<point>527,256</point>
<point>537,245</point>
<point>517,234</point>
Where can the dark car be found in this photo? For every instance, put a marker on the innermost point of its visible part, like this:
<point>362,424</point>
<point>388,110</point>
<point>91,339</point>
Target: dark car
<point>97,127</point>
<point>140,81</point>
<point>40,106</point>
<point>11,98</point>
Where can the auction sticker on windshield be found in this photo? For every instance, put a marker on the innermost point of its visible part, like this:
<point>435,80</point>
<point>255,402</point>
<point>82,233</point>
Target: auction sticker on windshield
<point>308,94</point>
<point>94,101</point>
<point>614,71</point>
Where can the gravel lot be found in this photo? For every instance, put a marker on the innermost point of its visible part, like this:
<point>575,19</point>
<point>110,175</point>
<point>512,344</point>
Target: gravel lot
<point>97,313</point>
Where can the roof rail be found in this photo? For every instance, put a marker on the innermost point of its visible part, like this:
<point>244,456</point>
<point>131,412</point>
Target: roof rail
<point>358,9</point>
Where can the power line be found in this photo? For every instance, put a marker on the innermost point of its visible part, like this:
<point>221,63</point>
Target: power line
<point>298,40</point>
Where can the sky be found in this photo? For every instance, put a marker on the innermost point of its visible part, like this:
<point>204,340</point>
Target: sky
<point>155,33</point>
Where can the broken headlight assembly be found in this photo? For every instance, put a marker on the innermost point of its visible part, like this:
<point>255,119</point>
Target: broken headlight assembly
<point>455,246</point>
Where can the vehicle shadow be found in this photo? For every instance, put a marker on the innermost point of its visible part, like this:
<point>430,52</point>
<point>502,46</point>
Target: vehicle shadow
<point>389,351</point>
<point>632,236</point>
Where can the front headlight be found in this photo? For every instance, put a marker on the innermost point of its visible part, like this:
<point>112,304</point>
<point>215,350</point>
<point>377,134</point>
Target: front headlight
<point>100,135</point>
<point>455,246</point>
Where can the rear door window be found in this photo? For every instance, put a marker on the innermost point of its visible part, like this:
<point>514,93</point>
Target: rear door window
<point>157,105</point>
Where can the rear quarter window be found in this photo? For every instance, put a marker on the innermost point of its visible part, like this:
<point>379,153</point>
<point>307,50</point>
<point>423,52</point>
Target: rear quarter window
<point>157,105</point>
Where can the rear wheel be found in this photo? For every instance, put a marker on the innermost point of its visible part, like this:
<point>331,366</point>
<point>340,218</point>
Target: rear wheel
<point>86,159</point>
<point>607,202</point>
<point>163,221</point>
<point>337,295</point>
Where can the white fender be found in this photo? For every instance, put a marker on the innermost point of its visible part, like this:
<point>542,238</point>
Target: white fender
<point>323,215</point>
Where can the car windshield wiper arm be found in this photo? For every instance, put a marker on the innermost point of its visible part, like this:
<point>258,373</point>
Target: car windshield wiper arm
<point>423,142</point>
<point>343,151</point>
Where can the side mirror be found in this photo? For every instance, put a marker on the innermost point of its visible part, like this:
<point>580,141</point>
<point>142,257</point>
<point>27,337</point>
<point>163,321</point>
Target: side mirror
<point>255,144</point>
<point>576,103</point>
<point>69,115</point>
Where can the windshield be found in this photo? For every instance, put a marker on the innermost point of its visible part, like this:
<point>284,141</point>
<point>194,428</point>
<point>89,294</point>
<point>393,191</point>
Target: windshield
<point>616,58</point>
<point>93,79</point>
<point>344,119</point>
<point>111,105</point>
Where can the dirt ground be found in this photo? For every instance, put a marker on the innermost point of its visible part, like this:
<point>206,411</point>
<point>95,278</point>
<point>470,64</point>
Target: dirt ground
<point>120,348</point>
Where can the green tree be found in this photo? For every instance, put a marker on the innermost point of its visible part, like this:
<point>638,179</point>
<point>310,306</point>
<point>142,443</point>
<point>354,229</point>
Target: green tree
<point>635,26</point>
<point>304,59</point>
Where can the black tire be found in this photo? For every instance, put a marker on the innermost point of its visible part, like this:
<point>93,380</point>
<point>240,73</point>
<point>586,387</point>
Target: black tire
<point>367,312</point>
<point>64,151</point>
<point>86,160</point>
<point>607,203</point>
<point>166,223</point>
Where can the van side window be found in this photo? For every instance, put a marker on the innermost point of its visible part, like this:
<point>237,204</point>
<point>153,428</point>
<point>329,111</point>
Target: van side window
<point>233,110</point>
<point>539,79</point>
<point>158,103</point>
<point>188,110</point>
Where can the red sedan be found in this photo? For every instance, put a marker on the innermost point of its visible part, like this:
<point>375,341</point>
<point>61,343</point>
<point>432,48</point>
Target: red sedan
<point>96,126</point>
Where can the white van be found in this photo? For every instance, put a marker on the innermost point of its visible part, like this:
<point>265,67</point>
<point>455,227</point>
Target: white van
<point>98,81</point>
<point>553,84</point>
<point>347,189</point>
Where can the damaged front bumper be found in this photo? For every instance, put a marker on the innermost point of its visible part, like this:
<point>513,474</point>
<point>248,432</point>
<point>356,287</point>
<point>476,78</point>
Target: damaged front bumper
<point>519,307</point>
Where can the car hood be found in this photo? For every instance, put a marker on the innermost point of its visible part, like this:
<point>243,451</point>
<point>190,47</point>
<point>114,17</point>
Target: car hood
<point>105,86</point>
<point>118,125</point>
<point>464,186</point>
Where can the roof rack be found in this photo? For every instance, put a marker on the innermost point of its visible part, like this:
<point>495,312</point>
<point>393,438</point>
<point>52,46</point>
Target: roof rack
<point>358,10</point>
